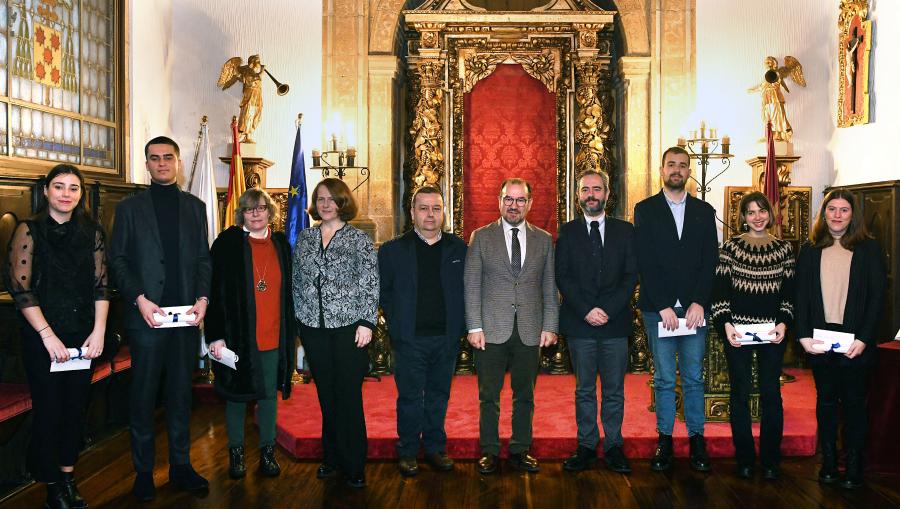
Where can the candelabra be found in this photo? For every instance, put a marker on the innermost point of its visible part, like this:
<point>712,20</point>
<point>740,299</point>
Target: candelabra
<point>703,148</point>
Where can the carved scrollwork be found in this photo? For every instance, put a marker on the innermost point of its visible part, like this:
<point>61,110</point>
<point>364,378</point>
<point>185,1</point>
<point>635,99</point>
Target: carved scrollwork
<point>479,66</point>
<point>426,130</point>
<point>593,128</point>
<point>540,67</point>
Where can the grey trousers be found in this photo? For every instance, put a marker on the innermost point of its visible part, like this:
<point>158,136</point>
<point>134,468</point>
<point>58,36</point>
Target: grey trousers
<point>607,357</point>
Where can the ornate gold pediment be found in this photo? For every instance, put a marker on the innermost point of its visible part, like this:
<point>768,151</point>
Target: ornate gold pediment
<point>542,66</point>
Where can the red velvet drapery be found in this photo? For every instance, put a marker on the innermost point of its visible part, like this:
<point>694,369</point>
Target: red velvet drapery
<point>510,131</point>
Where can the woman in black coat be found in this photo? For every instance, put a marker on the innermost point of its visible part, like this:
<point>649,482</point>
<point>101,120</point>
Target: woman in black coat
<point>58,281</point>
<point>251,313</point>
<point>840,287</point>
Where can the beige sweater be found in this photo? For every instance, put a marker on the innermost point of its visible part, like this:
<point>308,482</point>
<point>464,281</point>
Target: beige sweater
<point>835,276</point>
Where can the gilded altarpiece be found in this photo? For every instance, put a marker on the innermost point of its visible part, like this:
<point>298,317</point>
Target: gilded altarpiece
<point>452,46</point>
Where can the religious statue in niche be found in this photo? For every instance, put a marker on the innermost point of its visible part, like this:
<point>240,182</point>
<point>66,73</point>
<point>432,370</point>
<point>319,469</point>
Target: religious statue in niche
<point>250,76</point>
<point>854,46</point>
<point>773,98</point>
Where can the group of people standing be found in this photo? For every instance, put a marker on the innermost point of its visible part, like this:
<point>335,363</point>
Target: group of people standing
<point>511,291</point>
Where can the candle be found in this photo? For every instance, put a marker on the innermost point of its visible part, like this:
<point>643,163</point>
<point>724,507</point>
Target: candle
<point>712,132</point>
<point>681,142</point>
<point>702,129</point>
<point>726,144</point>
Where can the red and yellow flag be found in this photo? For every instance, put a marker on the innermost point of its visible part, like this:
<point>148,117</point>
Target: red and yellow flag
<point>236,183</point>
<point>47,55</point>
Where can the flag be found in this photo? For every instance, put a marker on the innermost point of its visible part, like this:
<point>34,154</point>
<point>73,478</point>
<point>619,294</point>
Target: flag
<point>771,180</point>
<point>296,218</point>
<point>203,183</point>
<point>47,55</point>
<point>236,182</point>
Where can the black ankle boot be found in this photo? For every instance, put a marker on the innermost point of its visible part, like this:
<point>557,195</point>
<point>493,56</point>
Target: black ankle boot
<point>72,495</point>
<point>828,474</point>
<point>853,477</point>
<point>56,496</point>
<point>236,467</point>
<point>268,466</point>
<point>662,458</point>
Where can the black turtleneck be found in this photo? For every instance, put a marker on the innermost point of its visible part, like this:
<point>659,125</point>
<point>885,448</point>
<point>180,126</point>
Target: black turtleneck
<point>165,204</point>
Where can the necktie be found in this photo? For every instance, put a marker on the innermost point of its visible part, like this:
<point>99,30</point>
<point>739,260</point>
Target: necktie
<point>596,240</point>
<point>515,260</point>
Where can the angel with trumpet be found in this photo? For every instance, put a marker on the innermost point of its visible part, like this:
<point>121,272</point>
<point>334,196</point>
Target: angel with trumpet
<point>250,75</point>
<point>773,98</point>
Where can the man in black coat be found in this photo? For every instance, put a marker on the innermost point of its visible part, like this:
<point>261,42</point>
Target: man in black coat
<point>159,256</point>
<point>677,252</point>
<point>596,274</point>
<point>422,297</point>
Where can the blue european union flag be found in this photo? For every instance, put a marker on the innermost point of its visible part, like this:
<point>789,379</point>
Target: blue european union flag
<point>296,218</point>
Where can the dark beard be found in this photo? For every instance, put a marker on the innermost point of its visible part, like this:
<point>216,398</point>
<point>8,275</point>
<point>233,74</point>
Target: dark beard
<point>592,212</point>
<point>676,187</point>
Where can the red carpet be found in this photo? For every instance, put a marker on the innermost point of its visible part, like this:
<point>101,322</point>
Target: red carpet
<point>300,428</point>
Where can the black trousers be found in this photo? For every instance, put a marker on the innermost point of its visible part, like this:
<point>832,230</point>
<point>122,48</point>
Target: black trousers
<point>58,402</point>
<point>842,382</point>
<point>423,372</point>
<point>338,367</point>
<point>161,356</point>
<point>771,426</point>
<point>523,362</point>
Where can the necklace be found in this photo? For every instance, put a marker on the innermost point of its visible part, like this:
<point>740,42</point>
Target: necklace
<point>261,284</point>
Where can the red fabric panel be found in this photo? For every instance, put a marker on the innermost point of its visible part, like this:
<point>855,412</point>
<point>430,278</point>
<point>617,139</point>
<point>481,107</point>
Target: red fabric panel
<point>884,412</point>
<point>14,400</point>
<point>101,371</point>
<point>299,423</point>
<point>509,131</point>
<point>122,360</point>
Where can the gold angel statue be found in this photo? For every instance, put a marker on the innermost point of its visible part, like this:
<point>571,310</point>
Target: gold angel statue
<point>772,96</point>
<point>250,76</point>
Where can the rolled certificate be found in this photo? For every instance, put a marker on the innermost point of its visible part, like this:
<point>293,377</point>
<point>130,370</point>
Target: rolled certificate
<point>176,316</point>
<point>75,362</point>
<point>832,341</point>
<point>756,333</point>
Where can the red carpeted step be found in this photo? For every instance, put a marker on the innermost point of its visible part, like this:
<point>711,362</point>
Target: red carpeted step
<point>300,428</point>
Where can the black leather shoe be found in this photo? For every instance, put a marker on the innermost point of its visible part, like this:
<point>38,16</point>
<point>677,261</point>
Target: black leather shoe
<point>185,478</point>
<point>488,464</point>
<point>72,496</point>
<point>143,489</point>
<point>356,482</point>
<point>771,473</point>
<point>524,462</point>
<point>853,474</point>
<point>325,471</point>
<point>616,461</point>
<point>662,458</point>
<point>745,471</point>
<point>828,474</point>
<point>268,465</point>
<point>583,459</point>
<point>699,458</point>
<point>236,467</point>
<point>439,461</point>
<point>56,496</point>
<point>408,467</point>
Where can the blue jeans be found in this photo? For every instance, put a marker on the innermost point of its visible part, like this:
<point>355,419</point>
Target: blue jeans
<point>690,350</point>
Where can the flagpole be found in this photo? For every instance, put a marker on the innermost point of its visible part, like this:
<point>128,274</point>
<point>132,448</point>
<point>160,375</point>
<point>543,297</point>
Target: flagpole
<point>197,143</point>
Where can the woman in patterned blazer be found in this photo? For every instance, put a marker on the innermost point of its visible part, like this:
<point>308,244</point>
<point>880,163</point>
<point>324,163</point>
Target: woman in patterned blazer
<point>754,284</point>
<point>335,285</point>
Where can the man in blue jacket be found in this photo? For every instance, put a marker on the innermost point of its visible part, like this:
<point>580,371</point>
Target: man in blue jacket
<point>422,298</point>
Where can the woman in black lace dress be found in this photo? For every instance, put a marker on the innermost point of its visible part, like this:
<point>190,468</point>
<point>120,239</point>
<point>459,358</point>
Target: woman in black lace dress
<point>57,278</point>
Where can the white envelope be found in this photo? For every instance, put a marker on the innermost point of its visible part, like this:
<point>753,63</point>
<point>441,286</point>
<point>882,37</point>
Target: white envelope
<point>682,329</point>
<point>175,317</point>
<point>75,362</point>
<point>229,358</point>
<point>757,333</point>
<point>836,341</point>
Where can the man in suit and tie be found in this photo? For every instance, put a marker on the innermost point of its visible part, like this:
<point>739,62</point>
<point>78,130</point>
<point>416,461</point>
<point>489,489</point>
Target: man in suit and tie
<point>677,252</point>
<point>421,276</point>
<point>596,273</point>
<point>159,256</point>
<point>512,310</point>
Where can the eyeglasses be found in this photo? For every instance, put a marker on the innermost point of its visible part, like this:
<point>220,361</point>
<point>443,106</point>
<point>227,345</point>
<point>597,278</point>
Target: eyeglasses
<point>520,201</point>
<point>259,208</point>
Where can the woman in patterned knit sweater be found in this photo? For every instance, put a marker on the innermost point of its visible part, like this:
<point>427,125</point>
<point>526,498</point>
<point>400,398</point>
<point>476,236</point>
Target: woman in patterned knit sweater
<point>755,284</point>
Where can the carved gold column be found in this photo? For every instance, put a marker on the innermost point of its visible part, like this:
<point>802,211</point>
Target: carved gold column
<point>427,129</point>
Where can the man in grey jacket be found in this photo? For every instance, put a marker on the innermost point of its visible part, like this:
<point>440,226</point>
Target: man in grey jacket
<point>512,309</point>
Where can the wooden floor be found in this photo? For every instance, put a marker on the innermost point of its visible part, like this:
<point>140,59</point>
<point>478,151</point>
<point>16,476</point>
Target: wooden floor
<point>105,477</point>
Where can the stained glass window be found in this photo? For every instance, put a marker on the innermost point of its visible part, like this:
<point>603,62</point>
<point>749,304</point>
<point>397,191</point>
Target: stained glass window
<point>58,72</point>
